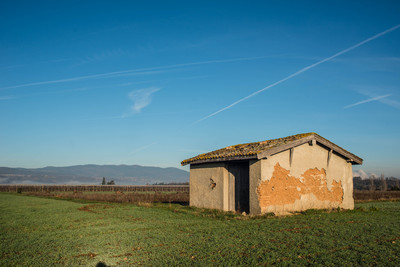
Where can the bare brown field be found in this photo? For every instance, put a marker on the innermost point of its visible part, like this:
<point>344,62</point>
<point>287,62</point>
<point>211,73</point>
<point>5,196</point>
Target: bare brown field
<point>364,195</point>
<point>120,197</point>
<point>147,193</point>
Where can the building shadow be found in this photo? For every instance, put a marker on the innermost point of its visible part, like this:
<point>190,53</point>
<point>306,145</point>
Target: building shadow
<point>101,264</point>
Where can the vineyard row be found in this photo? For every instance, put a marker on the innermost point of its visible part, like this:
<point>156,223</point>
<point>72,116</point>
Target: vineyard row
<point>94,188</point>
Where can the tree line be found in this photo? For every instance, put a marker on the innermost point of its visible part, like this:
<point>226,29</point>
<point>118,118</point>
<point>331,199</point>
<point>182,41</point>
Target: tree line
<point>374,183</point>
<point>104,182</point>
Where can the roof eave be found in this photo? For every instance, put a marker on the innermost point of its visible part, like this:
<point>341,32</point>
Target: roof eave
<point>200,161</point>
<point>355,160</point>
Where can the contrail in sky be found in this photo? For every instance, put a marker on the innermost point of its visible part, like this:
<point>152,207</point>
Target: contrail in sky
<point>384,100</point>
<point>367,100</point>
<point>143,147</point>
<point>131,71</point>
<point>301,71</point>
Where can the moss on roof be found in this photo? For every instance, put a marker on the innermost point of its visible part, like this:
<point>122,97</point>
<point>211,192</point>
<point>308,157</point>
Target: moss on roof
<point>246,150</point>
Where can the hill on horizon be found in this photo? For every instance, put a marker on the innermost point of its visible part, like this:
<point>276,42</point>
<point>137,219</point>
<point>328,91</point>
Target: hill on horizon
<point>93,174</point>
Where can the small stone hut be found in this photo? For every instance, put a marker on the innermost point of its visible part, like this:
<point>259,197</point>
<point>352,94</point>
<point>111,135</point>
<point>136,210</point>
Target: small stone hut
<point>294,173</point>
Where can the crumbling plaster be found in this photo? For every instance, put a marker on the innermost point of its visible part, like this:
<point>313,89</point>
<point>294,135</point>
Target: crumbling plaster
<point>306,159</point>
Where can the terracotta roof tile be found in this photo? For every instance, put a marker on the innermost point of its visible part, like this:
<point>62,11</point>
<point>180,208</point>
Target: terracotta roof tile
<point>246,150</point>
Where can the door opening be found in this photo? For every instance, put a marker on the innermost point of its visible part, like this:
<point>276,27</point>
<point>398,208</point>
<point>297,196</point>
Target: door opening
<point>240,172</point>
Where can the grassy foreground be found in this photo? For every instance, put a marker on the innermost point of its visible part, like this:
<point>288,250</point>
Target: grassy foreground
<point>44,232</point>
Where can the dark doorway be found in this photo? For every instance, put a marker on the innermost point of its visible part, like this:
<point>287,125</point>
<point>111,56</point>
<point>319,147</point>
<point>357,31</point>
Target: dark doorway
<point>240,172</point>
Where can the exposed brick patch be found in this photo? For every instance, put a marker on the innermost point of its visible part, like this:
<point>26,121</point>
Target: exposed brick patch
<point>283,188</point>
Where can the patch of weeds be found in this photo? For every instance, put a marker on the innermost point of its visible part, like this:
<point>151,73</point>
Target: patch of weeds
<point>217,214</point>
<point>144,204</point>
<point>356,210</point>
<point>203,212</point>
<point>89,255</point>
<point>362,209</point>
<point>265,215</point>
<point>268,214</point>
<point>373,208</point>
<point>94,208</point>
<point>314,212</point>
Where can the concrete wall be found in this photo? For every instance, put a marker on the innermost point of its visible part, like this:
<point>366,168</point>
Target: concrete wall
<point>302,179</point>
<point>255,180</point>
<point>205,194</point>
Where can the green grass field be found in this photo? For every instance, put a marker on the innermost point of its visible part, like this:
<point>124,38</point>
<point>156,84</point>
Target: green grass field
<point>45,232</point>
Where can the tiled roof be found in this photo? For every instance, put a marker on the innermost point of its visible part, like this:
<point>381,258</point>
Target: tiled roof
<point>248,149</point>
<point>253,150</point>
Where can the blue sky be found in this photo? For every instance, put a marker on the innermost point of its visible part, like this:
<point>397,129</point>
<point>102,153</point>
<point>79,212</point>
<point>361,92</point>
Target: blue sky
<point>153,82</point>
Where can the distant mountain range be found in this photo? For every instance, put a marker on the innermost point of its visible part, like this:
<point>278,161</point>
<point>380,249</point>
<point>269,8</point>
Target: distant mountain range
<point>93,174</point>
